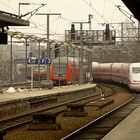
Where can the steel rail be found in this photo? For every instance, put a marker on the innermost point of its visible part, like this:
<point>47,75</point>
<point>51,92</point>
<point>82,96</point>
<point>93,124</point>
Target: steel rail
<point>69,136</point>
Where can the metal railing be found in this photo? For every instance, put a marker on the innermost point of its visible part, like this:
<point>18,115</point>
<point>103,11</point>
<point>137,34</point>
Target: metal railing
<point>92,36</point>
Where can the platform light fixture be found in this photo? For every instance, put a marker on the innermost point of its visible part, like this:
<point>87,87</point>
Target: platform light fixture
<point>51,41</point>
<point>44,40</point>
<point>18,35</point>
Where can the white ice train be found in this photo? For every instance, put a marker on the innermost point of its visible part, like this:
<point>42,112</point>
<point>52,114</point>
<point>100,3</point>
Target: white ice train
<point>126,73</point>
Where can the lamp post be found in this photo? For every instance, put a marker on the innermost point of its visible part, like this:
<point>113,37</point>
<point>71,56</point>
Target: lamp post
<point>26,61</point>
<point>67,62</point>
<point>32,39</point>
<point>74,64</point>
<point>39,41</point>
<point>11,59</point>
<point>59,66</point>
<point>26,45</point>
<point>11,34</point>
<point>90,60</point>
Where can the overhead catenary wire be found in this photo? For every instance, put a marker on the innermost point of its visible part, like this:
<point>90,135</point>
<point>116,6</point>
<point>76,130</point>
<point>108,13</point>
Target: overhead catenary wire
<point>126,13</point>
<point>41,27</point>
<point>103,8</point>
<point>95,10</point>
<point>8,6</point>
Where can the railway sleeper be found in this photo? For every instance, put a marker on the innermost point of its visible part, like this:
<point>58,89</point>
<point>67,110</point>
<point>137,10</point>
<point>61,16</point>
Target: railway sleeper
<point>99,104</point>
<point>46,120</point>
<point>76,109</point>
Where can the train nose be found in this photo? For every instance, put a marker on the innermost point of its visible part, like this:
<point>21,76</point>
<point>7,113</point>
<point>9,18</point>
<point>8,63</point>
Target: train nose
<point>135,85</point>
<point>135,82</point>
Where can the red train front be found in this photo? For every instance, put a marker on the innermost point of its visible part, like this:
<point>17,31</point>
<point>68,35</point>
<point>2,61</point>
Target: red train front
<point>43,71</point>
<point>65,70</point>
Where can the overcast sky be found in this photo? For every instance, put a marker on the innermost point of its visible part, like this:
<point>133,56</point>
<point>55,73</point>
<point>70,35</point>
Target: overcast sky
<point>103,11</point>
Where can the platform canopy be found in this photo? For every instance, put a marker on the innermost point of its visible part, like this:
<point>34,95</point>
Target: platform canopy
<point>134,7</point>
<point>9,19</point>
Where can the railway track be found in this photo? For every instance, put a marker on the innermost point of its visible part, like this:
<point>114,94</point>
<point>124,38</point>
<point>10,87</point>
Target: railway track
<point>22,119</point>
<point>98,128</point>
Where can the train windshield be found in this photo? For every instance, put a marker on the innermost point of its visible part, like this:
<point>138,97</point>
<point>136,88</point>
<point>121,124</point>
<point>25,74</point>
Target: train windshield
<point>42,68</point>
<point>60,69</point>
<point>136,70</point>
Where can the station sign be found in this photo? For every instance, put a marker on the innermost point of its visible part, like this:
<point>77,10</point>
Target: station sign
<point>38,61</point>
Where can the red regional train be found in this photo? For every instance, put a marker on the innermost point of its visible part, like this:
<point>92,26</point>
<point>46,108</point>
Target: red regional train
<point>43,71</point>
<point>65,70</point>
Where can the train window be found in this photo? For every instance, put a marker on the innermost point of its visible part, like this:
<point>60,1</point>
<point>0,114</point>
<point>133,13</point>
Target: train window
<point>136,70</point>
<point>62,71</point>
<point>36,68</point>
<point>42,68</point>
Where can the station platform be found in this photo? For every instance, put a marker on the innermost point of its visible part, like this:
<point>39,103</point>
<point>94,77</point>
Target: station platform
<point>128,129</point>
<point>25,94</point>
<point>21,102</point>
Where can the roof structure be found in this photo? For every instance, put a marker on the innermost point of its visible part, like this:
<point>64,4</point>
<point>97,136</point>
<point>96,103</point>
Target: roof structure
<point>134,7</point>
<point>9,19</point>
